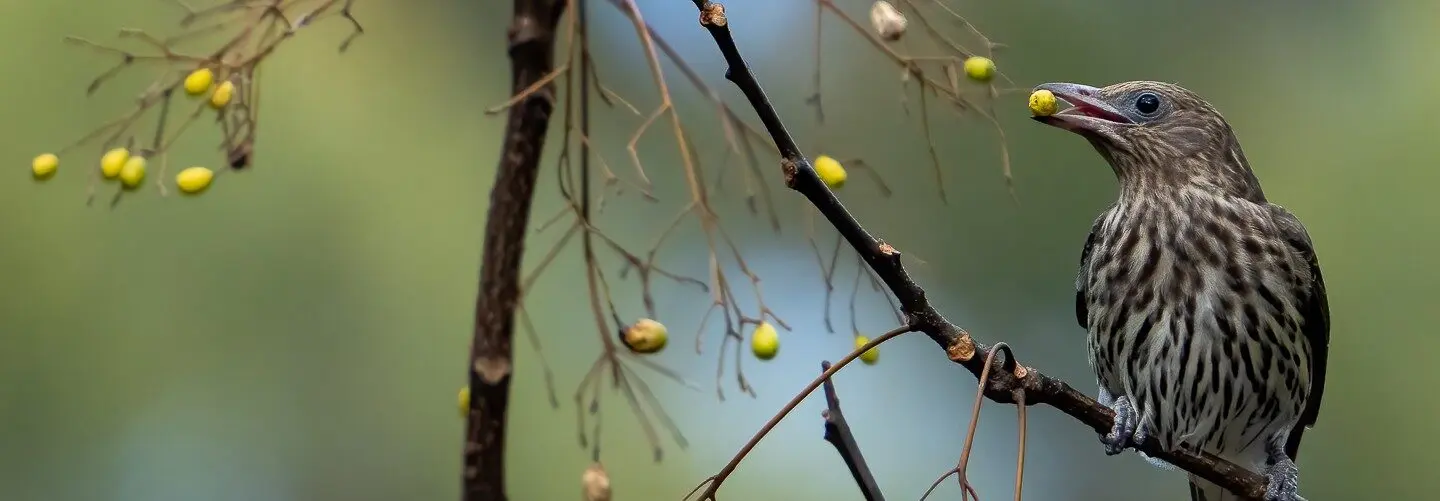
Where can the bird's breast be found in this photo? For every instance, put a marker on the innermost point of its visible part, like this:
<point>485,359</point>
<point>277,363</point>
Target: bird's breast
<point>1189,315</point>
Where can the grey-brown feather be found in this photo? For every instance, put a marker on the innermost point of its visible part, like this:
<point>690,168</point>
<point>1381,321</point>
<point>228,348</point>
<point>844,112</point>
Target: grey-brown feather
<point>1203,302</point>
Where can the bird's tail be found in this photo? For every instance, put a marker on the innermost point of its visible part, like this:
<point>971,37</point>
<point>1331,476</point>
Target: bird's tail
<point>1203,490</point>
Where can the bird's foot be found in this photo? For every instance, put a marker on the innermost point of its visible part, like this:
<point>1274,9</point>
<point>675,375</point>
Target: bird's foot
<point>1127,430</point>
<point>1282,478</point>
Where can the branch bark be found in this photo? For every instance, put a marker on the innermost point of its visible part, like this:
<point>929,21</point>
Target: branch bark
<point>1009,381</point>
<point>837,432</point>
<point>531,46</point>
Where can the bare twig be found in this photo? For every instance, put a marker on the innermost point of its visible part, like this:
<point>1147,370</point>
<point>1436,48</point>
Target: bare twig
<point>712,484</point>
<point>837,432</point>
<point>913,67</point>
<point>961,469</point>
<point>1005,384</point>
<point>256,29</point>
<point>575,187</point>
<point>1020,407</point>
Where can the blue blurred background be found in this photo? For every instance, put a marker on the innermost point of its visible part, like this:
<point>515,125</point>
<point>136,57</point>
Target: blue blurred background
<point>298,332</point>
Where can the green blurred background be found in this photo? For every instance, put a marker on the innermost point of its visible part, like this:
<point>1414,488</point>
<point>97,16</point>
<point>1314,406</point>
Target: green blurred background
<point>298,332</point>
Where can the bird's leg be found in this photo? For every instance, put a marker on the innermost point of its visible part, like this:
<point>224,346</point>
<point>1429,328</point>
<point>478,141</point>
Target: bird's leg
<point>1142,427</point>
<point>1142,432</point>
<point>1281,474</point>
<point>1127,423</point>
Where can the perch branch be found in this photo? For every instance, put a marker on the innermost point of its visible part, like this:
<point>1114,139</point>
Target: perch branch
<point>531,46</point>
<point>1009,378</point>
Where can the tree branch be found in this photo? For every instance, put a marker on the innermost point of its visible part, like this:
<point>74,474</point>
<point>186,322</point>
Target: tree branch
<point>837,432</point>
<point>531,44</point>
<point>1015,383</point>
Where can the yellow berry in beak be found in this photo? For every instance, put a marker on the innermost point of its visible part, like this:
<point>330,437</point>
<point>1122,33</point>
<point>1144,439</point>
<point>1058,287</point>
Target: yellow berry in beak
<point>830,171</point>
<point>112,161</point>
<point>1043,104</point>
<point>871,355</point>
<point>198,82</point>
<point>464,401</point>
<point>644,336</point>
<point>765,342</point>
<point>980,69</point>
<point>44,165</point>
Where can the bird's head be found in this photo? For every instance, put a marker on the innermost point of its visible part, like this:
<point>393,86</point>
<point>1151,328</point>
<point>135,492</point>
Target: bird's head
<point>1155,132</point>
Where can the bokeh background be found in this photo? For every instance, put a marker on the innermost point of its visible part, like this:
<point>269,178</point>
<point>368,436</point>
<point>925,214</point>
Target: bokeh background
<point>298,332</point>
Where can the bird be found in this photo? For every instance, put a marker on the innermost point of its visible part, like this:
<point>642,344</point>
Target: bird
<point>1207,319</point>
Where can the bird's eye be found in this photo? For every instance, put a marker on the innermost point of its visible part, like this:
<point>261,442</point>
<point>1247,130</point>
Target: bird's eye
<point>1147,103</point>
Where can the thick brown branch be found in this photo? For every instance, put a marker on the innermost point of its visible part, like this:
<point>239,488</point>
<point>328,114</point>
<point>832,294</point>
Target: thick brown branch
<point>531,46</point>
<point>1008,378</point>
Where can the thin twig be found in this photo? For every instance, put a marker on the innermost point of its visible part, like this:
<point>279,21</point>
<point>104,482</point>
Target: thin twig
<point>712,484</point>
<point>718,241</point>
<point>576,186</point>
<point>256,29</point>
<point>837,432</point>
<point>961,469</point>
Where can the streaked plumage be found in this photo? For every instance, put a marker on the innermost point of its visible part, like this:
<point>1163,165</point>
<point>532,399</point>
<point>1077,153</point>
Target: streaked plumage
<point>1206,312</point>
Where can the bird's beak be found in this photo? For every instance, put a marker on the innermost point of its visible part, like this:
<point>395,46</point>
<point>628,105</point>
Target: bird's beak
<point>1088,113</point>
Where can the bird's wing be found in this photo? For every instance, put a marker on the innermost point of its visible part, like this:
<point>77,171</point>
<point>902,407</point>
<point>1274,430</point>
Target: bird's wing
<point>1315,313</point>
<point>1082,277</point>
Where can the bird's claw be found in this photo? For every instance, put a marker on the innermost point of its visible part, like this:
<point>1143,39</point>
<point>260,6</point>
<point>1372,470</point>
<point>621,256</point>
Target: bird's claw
<point>1127,430</point>
<point>1282,479</point>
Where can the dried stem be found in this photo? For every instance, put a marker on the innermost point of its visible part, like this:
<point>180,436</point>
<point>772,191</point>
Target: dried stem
<point>575,184</point>
<point>718,241</point>
<point>712,484</point>
<point>961,469</point>
<point>257,29</point>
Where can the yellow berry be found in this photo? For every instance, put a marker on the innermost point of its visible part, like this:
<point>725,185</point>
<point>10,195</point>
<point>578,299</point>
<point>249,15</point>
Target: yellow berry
<point>871,355</point>
<point>133,172</point>
<point>980,69</point>
<point>464,401</point>
<point>644,336</point>
<point>222,95</point>
<point>830,171</point>
<point>44,165</point>
<point>194,179</point>
<point>112,161</point>
<point>765,342</point>
<point>199,81</point>
<point>1042,103</point>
